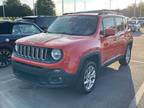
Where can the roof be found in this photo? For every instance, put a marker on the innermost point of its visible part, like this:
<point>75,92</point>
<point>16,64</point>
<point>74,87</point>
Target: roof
<point>15,22</point>
<point>38,16</point>
<point>95,12</point>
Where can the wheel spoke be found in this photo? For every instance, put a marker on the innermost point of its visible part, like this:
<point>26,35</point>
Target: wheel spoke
<point>5,58</point>
<point>89,77</point>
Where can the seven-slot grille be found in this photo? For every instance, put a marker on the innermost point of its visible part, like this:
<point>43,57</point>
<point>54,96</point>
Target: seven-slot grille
<point>31,52</point>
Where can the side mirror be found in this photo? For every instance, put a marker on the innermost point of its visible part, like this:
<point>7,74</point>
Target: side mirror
<point>110,31</point>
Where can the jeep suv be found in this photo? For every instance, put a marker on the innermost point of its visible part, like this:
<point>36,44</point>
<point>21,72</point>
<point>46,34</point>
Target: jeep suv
<point>74,50</point>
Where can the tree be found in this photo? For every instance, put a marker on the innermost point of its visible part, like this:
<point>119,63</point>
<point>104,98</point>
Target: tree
<point>45,7</point>
<point>14,8</point>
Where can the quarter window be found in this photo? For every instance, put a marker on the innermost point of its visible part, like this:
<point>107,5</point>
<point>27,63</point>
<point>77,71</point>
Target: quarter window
<point>120,24</point>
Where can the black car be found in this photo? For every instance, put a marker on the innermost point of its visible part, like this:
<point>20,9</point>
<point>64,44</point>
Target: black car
<point>42,21</point>
<point>9,33</point>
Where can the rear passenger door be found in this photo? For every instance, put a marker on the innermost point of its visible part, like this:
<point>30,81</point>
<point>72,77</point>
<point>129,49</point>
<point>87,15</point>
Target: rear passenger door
<point>108,42</point>
<point>120,35</point>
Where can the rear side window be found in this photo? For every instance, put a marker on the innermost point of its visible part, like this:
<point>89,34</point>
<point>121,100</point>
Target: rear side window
<point>5,28</point>
<point>120,24</point>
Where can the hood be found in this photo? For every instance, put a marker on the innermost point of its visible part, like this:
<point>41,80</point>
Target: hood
<point>45,39</point>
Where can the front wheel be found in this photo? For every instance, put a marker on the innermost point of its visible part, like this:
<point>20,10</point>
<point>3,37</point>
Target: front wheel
<point>5,57</point>
<point>87,77</point>
<point>127,57</point>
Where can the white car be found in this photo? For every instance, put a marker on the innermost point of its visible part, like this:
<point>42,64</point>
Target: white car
<point>134,25</point>
<point>141,20</point>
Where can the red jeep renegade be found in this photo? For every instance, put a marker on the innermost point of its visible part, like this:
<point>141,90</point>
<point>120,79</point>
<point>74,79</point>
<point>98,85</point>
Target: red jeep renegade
<point>73,51</point>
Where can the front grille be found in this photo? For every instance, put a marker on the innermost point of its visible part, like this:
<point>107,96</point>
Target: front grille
<point>33,53</point>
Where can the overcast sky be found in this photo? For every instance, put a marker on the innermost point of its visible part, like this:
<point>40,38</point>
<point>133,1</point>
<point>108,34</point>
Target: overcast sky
<point>91,4</point>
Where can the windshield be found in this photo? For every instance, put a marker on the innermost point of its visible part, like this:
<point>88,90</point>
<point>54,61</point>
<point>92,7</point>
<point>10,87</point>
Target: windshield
<point>74,25</point>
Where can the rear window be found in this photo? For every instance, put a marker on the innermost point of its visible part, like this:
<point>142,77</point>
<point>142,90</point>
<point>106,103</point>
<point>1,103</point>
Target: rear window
<point>74,25</point>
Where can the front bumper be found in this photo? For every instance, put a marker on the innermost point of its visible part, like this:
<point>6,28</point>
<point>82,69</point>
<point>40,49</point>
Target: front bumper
<point>42,76</point>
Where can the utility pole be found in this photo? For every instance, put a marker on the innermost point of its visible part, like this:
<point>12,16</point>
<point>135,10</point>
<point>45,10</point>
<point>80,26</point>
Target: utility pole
<point>85,6</point>
<point>62,7</point>
<point>110,1</point>
<point>74,5</point>
<point>3,8</point>
<point>140,8</point>
<point>34,7</point>
<point>135,8</point>
<point>36,12</point>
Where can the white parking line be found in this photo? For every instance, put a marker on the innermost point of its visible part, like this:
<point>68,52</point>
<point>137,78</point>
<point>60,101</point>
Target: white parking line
<point>6,101</point>
<point>134,103</point>
<point>137,61</point>
<point>6,81</point>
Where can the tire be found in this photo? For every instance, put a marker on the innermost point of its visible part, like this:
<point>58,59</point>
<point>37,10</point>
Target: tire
<point>5,57</point>
<point>87,77</point>
<point>125,60</point>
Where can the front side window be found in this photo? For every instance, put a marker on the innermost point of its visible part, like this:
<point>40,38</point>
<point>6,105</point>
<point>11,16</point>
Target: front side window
<point>74,25</point>
<point>108,23</point>
<point>25,29</point>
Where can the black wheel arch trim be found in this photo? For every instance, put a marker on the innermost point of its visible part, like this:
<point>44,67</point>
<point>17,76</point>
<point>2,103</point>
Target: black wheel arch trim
<point>88,56</point>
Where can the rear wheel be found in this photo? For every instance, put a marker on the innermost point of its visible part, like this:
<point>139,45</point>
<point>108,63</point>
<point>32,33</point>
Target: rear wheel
<point>87,77</point>
<point>127,57</point>
<point>5,57</point>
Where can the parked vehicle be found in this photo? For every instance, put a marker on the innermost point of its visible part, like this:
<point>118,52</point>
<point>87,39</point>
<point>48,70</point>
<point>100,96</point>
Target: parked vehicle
<point>141,20</point>
<point>73,51</point>
<point>42,21</point>
<point>5,19</point>
<point>9,32</point>
<point>134,25</point>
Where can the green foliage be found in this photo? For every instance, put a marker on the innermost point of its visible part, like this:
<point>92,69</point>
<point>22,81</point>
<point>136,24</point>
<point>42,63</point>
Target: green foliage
<point>45,7</point>
<point>15,8</point>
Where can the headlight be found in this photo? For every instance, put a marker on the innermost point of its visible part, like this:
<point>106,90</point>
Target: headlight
<point>56,54</point>
<point>16,48</point>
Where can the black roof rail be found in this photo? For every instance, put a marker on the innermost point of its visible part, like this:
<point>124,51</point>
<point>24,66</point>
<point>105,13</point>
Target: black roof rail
<point>99,12</point>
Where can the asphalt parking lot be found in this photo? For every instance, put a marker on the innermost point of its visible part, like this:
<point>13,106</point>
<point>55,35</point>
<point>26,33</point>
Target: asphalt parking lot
<point>117,87</point>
